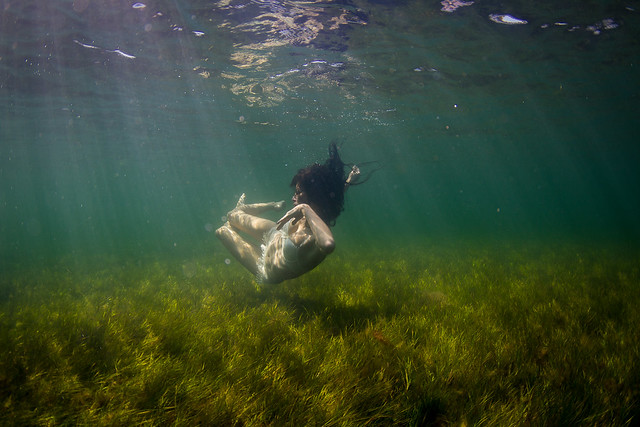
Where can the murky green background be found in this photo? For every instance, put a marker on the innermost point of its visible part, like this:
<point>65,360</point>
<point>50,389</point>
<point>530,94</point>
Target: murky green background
<point>128,130</point>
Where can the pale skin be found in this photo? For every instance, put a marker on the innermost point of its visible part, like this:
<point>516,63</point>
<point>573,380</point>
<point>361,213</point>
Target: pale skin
<point>308,232</point>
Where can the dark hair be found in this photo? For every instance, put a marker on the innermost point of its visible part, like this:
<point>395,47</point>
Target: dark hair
<point>324,185</point>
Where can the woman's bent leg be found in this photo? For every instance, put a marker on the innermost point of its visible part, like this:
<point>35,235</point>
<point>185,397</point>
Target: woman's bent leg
<point>246,253</point>
<point>258,208</point>
<point>244,217</point>
<point>250,224</point>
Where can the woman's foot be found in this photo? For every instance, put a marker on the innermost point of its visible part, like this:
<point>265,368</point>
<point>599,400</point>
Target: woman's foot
<point>239,206</point>
<point>241,203</point>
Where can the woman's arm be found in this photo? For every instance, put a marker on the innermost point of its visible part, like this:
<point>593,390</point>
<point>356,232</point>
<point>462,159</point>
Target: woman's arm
<point>321,232</point>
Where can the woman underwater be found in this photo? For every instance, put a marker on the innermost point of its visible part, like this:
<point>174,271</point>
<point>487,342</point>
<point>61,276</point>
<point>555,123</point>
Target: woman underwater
<point>301,239</point>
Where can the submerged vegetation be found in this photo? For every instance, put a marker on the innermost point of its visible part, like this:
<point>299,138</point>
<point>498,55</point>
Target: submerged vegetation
<point>413,337</point>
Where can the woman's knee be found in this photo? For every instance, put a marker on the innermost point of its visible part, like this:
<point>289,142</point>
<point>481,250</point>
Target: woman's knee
<point>223,231</point>
<point>234,215</point>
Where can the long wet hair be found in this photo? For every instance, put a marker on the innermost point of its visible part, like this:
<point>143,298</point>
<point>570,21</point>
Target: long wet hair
<point>324,185</point>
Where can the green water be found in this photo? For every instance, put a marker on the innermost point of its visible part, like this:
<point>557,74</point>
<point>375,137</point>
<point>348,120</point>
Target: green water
<point>485,131</point>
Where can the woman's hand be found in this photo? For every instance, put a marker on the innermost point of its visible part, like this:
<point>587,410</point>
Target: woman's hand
<point>297,213</point>
<point>320,232</point>
<point>354,176</point>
